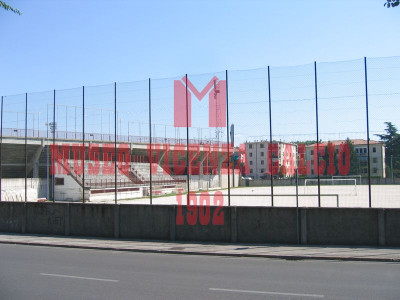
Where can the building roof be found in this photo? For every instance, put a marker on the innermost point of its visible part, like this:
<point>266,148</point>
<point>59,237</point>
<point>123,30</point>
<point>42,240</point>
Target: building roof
<point>356,142</point>
<point>268,142</point>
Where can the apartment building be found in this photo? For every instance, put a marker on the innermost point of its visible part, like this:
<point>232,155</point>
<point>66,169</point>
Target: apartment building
<point>257,157</point>
<point>376,150</point>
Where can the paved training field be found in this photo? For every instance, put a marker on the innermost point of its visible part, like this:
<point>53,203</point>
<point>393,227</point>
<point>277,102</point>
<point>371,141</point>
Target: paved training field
<point>385,196</point>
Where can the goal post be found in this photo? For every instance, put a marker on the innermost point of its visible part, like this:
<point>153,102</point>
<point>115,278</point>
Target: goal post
<point>346,185</point>
<point>331,181</point>
<point>357,177</point>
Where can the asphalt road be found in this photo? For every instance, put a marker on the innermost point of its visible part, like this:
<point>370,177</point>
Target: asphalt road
<point>31,272</point>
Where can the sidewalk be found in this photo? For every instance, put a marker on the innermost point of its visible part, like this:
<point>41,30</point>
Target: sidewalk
<point>291,252</point>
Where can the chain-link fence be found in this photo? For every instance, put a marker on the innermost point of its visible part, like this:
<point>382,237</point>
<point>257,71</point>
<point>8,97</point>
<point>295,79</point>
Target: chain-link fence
<point>321,134</point>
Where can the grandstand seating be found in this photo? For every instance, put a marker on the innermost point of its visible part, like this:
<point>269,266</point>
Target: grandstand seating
<point>139,174</point>
<point>141,171</point>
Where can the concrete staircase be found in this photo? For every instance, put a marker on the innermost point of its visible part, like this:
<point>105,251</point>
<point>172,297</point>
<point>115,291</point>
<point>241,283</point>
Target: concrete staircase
<point>141,172</point>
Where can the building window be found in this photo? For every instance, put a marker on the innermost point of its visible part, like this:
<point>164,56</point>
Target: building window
<point>374,160</point>
<point>262,153</point>
<point>365,150</point>
<point>250,154</point>
<point>250,146</point>
<point>251,171</point>
<point>374,149</point>
<point>109,156</point>
<point>59,181</point>
<point>375,170</point>
<point>251,163</point>
<point>262,170</point>
<point>261,145</point>
<point>262,162</point>
<point>312,152</point>
<point>357,150</point>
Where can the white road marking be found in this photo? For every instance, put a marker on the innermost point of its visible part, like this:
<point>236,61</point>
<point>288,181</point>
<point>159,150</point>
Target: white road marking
<point>266,293</point>
<point>78,277</point>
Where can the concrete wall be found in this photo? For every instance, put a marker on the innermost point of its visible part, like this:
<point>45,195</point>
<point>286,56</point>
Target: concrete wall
<point>211,181</point>
<point>349,226</point>
<point>323,226</point>
<point>266,225</point>
<point>233,179</point>
<point>391,226</point>
<point>292,181</point>
<point>13,189</point>
<point>12,217</point>
<point>207,232</point>
<point>69,191</point>
<point>145,221</point>
<point>110,196</point>
<point>45,219</point>
<point>92,220</point>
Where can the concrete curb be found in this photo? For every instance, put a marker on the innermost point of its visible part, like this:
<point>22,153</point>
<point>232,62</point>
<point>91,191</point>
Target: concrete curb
<point>183,252</point>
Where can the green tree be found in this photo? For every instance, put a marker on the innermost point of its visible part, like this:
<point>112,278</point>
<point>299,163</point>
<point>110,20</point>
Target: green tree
<point>392,3</point>
<point>391,138</point>
<point>8,7</point>
<point>395,150</point>
<point>335,159</point>
<point>355,163</point>
<point>391,132</point>
<point>282,172</point>
<point>307,142</point>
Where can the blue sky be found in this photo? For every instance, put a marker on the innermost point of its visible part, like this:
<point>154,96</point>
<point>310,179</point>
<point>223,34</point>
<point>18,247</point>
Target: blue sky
<point>66,44</point>
<point>62,44</point>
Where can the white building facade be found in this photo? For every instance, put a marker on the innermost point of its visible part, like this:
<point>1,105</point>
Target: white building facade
<point>376,150</point>
<point>258,160</point>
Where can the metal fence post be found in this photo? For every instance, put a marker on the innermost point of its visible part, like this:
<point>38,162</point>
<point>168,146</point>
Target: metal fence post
<point>227,137</point>
<point>367,116</point>
<point>54,143</point>
<point>115,142</point>
<point>1,146</point>
<point>47,154</point>
<point>270,138</point>
<point>151,146</point>
<point>26,147</point>
<point>316,116</point>
<point>297,194</point>
<point>83,142</point>
<point>187,140</point>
